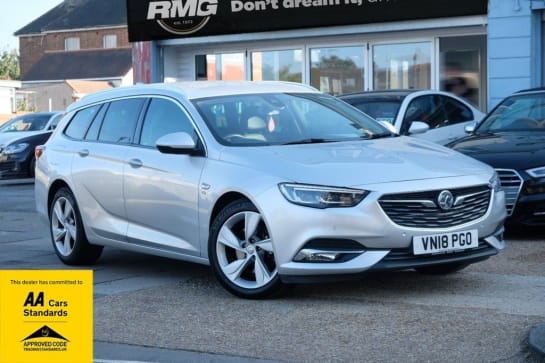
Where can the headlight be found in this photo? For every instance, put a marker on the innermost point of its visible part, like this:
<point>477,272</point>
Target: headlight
<point>537,172</point>
<point>316,196</point>
<point>15,148</point>
<point>495,183</point>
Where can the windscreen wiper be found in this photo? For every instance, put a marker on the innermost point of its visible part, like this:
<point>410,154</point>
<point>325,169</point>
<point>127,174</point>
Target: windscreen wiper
<point>309,141</point>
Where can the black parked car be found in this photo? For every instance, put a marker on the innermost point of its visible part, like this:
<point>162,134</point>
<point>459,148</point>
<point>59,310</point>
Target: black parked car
<point>511,138</point>
<point>18,138</point>
<point>17,157</point>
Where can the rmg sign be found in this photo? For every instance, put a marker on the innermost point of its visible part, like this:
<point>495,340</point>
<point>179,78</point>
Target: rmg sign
<point>180,9</point>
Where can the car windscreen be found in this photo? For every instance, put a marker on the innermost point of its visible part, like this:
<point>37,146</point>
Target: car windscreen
<point>516,113</point>
<point>26,123</point>
<point>281,118</point>
<point>379,108</point>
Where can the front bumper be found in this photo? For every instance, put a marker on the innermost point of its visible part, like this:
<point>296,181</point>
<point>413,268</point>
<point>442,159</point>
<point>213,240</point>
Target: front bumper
<point>529,211</point>
<point>16,165</point>
<point>364,233</point>
<point>404,259</point>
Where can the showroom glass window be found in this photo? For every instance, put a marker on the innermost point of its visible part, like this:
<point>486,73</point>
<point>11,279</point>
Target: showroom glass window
<point>220,67</point>
<point>402,66</point>
<point>278,65</point>
<point>164,117</point>
<point>120,121</point>
<point>337,70</point>
<point>463,67</point>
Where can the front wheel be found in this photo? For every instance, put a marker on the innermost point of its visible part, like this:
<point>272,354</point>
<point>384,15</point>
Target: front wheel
<point>443,269</point>
<point>67,234</point>
<point>241,252</point>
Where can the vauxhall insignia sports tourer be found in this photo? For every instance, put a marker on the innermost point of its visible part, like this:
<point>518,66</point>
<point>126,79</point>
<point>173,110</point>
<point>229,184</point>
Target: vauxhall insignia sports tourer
<point>269,183</point>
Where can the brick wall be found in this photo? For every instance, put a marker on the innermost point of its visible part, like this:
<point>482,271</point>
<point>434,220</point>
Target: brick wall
<point>31,48</point>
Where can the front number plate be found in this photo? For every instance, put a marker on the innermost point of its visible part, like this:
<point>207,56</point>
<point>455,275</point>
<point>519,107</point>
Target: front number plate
<point>445,242</point>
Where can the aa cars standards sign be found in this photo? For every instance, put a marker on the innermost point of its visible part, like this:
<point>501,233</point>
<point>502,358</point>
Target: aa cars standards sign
<point>166,19</point>
<point>46,316</point>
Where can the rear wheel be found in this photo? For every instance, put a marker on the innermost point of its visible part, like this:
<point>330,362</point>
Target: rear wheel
<point>67,234</point>
<point>241,252</point>
<point>443,269</point>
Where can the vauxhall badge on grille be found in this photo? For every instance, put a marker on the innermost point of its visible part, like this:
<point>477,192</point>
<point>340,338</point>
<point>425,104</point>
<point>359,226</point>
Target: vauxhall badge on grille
<point>445,200</point>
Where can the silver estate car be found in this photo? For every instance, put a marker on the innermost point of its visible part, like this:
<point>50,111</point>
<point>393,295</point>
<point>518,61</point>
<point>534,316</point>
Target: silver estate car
<point>270,183</point>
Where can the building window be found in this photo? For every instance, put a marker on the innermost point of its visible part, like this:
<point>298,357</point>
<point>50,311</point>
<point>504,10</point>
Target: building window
<point>337,70</point>
<point>225,67</point>
<point>405,65</point>
<point>109,41</point>
<point>463,67</point>
<point>278,65</point>
<point>71,43</point>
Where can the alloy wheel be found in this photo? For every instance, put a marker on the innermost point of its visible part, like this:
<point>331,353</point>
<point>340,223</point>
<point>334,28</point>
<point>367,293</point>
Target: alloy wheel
<point>245,252</point>
<point>63,226</point>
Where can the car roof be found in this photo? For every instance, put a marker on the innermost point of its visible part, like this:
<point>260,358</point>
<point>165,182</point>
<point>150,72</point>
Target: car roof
<point>198,89</point>
<point>381,93</point>
<point>530,90</point>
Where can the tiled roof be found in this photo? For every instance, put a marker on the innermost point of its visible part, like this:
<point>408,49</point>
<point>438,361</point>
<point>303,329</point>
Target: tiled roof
<point>86,87</point>
<point>81,64</point>
<point>78,14</point>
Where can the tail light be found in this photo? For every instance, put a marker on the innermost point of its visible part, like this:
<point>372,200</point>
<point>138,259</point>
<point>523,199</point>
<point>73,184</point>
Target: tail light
<point>38,151</point>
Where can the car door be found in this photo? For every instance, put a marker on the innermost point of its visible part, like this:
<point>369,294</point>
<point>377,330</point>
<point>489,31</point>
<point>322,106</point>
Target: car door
<point>429,110</point>
<point>161,190</point>
<point>445,116</point>
<point>97,167</point>
<point>458,117</point>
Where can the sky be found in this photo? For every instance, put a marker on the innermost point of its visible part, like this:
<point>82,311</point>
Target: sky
<point>18,14</point>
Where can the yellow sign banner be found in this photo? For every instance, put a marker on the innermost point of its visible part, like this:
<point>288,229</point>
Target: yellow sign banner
<point>46,316</point>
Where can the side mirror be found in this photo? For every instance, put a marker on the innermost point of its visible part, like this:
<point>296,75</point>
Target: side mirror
<point>418,127</point>
<point>177,143</point>
<point>470,128</point>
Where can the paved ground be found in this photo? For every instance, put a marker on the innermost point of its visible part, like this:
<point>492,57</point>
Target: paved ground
<point>159,310</point>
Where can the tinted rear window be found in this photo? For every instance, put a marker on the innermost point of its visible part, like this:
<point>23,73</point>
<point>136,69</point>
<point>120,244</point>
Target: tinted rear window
<point>81,121</point>
<point>120,120</point>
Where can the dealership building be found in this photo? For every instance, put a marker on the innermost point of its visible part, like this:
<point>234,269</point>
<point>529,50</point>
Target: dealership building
<point>481,49</point>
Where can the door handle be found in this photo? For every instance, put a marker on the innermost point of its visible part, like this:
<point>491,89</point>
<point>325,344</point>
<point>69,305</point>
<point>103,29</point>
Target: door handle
<point>83,153</point>
<point>136,163</point>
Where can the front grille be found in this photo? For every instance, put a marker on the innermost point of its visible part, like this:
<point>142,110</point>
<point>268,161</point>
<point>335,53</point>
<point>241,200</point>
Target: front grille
<point>421,209</point>
<point>511,182</point>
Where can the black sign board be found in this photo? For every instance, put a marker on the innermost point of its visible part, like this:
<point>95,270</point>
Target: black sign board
<point>167,19</point>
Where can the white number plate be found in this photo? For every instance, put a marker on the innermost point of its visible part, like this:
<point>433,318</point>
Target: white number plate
<point>445,242</point>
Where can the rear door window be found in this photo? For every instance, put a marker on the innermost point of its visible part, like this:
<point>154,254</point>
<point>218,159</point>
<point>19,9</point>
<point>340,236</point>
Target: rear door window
<point>80,122</point>
<point>120,121</point>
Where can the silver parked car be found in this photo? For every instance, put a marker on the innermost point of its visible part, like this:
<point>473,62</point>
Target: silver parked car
<point>268,182</point>
<point>437,116</point>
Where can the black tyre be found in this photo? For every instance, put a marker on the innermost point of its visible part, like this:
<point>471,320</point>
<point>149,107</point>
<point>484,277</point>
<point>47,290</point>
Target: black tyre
<point>67,233</point>
<point>443,269</point>
<point>241,252</point>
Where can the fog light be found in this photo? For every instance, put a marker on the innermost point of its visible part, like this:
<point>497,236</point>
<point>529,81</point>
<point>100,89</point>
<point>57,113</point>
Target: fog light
<point>312,255</point>
<point>535,189</point>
